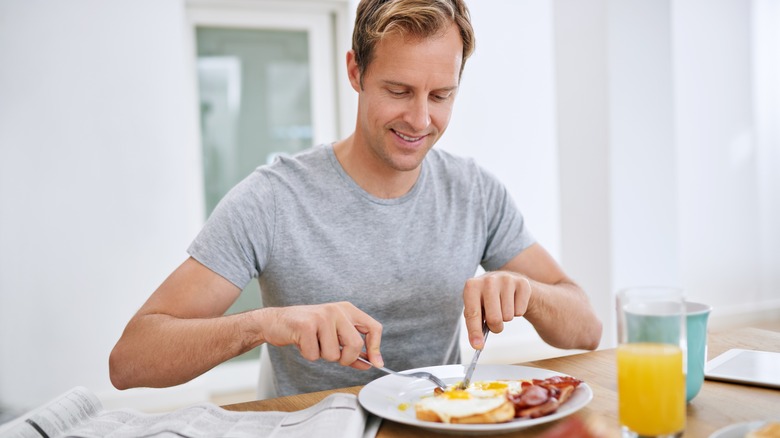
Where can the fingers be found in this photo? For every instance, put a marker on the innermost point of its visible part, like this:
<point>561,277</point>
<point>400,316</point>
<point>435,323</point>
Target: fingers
<point>329,335</point>
<point>359,365</point>
<point>472,311</point>
<point>495,297</point>
<point>332,331</point>
<point>373,332</point>
<point>492,303</point>
<point>349,341</point>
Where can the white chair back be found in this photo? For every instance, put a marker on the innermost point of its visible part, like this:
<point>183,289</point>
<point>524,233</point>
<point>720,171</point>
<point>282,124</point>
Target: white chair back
<point>265,381</point>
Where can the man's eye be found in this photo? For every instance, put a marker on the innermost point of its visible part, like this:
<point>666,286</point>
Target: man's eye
<point>441,97</point>
<point>397,93</point>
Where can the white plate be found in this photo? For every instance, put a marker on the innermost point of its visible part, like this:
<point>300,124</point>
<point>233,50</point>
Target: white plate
<point>386,396</point>
<point>738,430</point>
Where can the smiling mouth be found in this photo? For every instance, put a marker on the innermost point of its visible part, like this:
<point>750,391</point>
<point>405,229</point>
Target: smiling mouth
<point>407,138</point>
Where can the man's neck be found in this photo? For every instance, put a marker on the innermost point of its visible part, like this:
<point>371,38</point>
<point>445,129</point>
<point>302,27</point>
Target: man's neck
<point>370,173</point>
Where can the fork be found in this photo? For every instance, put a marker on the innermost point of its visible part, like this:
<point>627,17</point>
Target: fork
<point>416,375</point>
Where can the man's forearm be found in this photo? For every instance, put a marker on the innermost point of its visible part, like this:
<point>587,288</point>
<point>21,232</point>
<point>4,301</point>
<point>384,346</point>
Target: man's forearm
<point>158,350</point>
<point>563,316</point>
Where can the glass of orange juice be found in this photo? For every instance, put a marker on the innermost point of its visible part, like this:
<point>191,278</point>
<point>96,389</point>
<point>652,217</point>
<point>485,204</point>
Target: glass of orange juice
<point>651,358</point>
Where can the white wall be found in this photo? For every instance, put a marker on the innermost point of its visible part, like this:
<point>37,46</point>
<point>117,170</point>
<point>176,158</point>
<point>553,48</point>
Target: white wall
<point>659,96</point>
<point>642,147</point>
<point>721,241</point>
<point>100,185</point>
<point>582,123</point>
<point>765,35</point>
<point>504,117</point>
<point>505,111</point>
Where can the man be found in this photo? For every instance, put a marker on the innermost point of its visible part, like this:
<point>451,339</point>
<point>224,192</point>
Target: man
<point>371,240</point>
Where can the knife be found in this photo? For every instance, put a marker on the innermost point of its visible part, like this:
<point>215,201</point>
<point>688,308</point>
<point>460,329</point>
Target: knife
<point>473,365</point>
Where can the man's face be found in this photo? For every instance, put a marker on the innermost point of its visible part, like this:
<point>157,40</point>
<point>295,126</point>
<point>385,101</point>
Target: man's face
<point>406,99</point>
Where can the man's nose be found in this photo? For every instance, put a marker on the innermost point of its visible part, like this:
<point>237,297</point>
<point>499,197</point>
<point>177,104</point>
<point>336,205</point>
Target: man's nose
<point>418,115</point>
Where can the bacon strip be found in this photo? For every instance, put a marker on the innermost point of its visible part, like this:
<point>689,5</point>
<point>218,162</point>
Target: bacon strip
<point>543,397</point>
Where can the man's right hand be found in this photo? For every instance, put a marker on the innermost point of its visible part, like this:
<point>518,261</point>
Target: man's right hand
<point>331,331</point>
<point>181,331</point>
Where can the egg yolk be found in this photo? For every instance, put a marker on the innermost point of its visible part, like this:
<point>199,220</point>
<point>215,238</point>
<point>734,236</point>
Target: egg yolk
<point>494,386</point>
<point>457,394</point>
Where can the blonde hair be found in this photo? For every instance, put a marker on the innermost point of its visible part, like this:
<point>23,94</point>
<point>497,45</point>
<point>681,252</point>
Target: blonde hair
<point>415,18</point>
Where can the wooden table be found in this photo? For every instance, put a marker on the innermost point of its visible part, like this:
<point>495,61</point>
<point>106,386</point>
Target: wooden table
<point>718,404</point>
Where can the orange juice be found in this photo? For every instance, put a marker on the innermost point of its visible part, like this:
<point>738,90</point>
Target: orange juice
<point>651,388</point>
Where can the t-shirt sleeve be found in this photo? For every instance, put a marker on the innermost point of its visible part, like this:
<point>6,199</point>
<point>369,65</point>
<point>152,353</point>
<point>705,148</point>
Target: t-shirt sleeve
<point>238,235</point>
<point>507,234</point>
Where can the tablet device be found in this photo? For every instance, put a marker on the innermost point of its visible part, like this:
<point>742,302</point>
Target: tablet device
<point>751,367</point>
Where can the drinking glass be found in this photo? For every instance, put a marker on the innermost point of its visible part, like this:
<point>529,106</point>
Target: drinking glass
<point>651,361</point>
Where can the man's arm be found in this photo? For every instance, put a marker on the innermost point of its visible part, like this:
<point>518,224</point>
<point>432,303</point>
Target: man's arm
<point>534,286</point>
<point>180,332</point>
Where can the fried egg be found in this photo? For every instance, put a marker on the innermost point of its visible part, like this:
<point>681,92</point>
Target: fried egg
<point>478,398</point>
<point>448,408</point>
<point>492,387</point>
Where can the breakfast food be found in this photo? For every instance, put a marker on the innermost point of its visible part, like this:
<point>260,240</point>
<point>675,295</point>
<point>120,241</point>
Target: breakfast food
<point>496,401</point>
<point>481,402</point>
<point>543,397</point>
<point>769,430</point>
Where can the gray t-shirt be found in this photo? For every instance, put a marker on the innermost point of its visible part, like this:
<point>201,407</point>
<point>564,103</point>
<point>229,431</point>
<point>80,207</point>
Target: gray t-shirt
<point>312,235</point>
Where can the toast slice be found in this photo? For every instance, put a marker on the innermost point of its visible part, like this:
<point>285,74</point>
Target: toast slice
<point>447,411</point>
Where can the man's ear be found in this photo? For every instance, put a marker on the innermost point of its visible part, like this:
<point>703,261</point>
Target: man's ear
<point>353,71</point>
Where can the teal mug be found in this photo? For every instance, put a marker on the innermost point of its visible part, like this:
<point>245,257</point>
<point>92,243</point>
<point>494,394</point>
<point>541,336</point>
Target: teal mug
<point>696,328</point>
<point>663,326</point>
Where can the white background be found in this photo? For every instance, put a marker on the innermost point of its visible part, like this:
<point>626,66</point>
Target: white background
<point>639,137</point>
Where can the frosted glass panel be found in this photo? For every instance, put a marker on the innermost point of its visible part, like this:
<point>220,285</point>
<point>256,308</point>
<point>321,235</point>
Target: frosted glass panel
<point>255,103</point>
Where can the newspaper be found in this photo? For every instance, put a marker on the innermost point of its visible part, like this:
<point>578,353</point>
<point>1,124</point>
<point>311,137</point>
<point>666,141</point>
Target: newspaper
<point>79,413</point>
